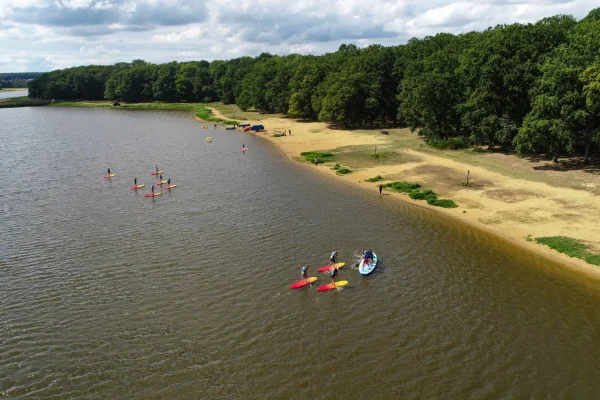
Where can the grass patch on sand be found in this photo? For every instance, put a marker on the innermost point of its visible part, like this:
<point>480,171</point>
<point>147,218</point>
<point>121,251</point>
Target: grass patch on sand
<point>22,102</point>
<point>317,156</point>
<point>571,247</point>
<point>234,112</point>
<point>414,192</point>
<point>277,135</point>
<point>343,171</point>
<point>363,157</point>
<point>375,179</point>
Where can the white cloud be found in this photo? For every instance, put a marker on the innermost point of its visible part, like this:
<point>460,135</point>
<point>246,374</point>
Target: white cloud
<point>63,33</point>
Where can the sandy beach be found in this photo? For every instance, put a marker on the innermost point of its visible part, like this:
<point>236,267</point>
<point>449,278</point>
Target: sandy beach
<point>516,198</point>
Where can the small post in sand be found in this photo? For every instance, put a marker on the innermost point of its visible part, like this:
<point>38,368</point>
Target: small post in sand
<point>468,173</point>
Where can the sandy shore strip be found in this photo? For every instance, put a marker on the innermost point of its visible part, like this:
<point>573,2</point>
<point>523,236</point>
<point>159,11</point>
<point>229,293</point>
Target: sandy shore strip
<point>512,197</point>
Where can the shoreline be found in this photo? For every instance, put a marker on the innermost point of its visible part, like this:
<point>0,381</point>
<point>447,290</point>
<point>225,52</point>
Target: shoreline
<point>510,202</point>
<point>514,234</point>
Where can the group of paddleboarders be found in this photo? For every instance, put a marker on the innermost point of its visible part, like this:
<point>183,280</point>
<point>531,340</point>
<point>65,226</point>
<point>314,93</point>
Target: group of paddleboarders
<point>333,268</point>
<point>158,172</point>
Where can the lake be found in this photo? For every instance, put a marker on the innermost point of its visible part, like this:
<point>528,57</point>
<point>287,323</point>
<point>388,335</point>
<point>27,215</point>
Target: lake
<point>105,294</point>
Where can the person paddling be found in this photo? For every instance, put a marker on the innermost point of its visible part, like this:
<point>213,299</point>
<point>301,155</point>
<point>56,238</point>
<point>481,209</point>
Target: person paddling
<point>333,257</point>
<point>156,169</point>
<point>134,181</point>
<point>152,189</point>
<point>304,271</point>
<point>334,272</point>
<point>109,172</point>
<point>169,182</point>
<point>160,178</point>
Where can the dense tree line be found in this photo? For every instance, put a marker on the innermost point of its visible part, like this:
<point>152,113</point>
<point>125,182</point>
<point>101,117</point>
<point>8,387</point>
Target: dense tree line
<point>534,87</point>
<point>17,79</point>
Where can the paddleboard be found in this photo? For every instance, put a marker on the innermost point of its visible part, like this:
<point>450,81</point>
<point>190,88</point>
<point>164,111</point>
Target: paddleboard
<point>109,176</point>
<point>160,183</point>
<point>327,268</point>
<point>136,187</point>
<point>330,286</point>
<point>169,187</point>
<point>303,283</point>
<point>152,194</point>
<point>156,173</point>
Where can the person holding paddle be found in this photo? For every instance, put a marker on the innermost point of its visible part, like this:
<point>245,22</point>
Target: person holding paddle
<point>334,272</point>
<point>304,273</point>
<point>333,257</point>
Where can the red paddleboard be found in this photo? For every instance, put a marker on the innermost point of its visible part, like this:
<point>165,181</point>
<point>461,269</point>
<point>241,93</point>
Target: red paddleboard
<point>303,282</point>
<point>156,173</point>
<point>331,286</point>
<point>159,183</point>
<point>152,194</point>
<point>136,187</point>
<point>328,267</point>
<point>169,187</point>
<point>109,176</point>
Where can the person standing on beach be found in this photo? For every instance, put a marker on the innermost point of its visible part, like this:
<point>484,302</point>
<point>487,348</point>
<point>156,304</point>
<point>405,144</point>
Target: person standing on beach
<point>290,132</point>
<point>380,188</point>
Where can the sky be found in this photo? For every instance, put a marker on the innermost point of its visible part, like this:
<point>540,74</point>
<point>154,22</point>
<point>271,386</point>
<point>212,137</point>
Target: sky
<point>43,35</point>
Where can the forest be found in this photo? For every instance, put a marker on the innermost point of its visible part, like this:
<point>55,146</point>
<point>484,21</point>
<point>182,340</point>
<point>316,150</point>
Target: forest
<point>17,79</point>
<point>534,88</point>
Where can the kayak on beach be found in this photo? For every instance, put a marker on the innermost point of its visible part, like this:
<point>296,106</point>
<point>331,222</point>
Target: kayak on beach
<point>303,283</point>
<point>136,187</point>
<point>328,267</point>
<point>331,286</point>
<point>152,194</point>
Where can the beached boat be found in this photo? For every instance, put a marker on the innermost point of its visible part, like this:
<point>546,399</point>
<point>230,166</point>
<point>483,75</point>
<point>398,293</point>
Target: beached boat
<point>365,268</point>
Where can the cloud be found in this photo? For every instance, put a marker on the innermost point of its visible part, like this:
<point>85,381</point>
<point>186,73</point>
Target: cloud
<point>63,33</point>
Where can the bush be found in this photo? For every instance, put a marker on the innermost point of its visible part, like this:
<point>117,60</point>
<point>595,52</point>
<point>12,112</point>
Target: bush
<point>374,179</point>
<point>449,144</point>
<point>402,187</point>
<point>478,150</point>
<point>343,171</point>
<point>311,155</point>
<point>444,203</point>
<point>375,155</point>
<point>277,135</point>
<point>336,166</point>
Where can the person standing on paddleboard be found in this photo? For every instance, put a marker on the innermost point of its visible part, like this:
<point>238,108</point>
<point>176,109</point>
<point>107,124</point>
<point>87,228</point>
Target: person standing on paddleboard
<point>334,272</point>
<point>304,271</point>
<point>156,169</point>
<point>152,189</point>
<point>134,181</point>
<point>160,178</point>
<point>109,172</point>
<point>333,257</point>
<point>169,182</point>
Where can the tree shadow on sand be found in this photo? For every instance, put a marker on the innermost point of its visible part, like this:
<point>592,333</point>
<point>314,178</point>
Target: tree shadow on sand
<point>566,164</point>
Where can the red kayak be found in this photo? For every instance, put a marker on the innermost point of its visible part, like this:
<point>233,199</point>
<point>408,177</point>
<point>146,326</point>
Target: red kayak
<point>303,283</point>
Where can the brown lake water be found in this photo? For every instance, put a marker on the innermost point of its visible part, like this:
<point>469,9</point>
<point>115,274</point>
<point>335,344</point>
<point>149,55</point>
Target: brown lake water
<point>105,294</point>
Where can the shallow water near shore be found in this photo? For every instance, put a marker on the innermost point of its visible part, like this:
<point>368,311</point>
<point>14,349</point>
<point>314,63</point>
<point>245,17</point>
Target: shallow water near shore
<point>107,294</point>
<point>7,94</point>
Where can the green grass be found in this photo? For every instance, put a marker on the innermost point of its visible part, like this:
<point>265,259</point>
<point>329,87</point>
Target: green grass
<point>571,247</point>
<point>22,102</point>
<point>277,135</point>
<point>234,112</point>
<point>413,191</point>
<point>449,144</point>
<point>375,179</point>
<point>336,167</point>
<point>322,156</point>
<point>343,171</point>
<point>362,156</point>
